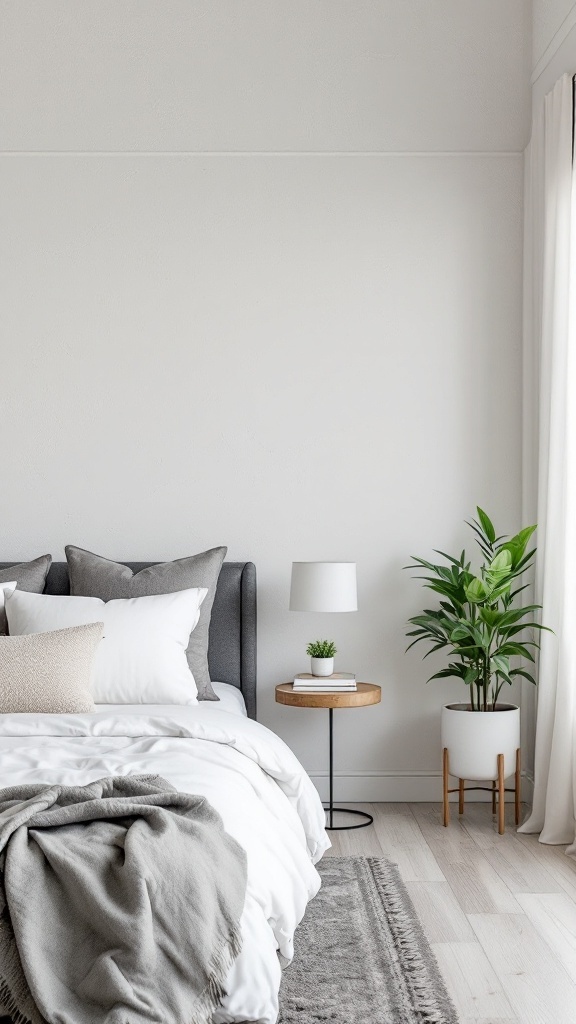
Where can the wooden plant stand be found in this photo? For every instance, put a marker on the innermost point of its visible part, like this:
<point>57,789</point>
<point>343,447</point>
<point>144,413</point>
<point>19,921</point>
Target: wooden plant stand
<point>497,787</point>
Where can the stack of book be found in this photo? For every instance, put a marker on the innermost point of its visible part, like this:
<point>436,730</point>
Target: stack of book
<point>337,683</point>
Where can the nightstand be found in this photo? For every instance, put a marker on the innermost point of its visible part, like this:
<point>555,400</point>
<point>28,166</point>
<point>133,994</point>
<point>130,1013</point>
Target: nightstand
<point>365,694</point>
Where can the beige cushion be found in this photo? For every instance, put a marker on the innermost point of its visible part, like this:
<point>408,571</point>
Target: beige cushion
<point>48,672</point>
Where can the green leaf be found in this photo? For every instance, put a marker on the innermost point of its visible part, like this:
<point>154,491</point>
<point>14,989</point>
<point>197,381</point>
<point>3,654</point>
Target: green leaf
<point>419,562</point>
<point>480,535</point>
<point>517,545</point>
<point>429,622</point>
<point>437,647</point>
<point>486,524</point>
<point>445,673</point>
<point>501,563</point>
<point>535,626</point>
<point>450,558</point>
<point>448,607</point>
<point>460,633</point>
<point>510,618</point>
<point>417,641</point>
<point>471,675</point>
<point>510,648</point>
<point>476,591</point>
<point>524,674</point>
<point>525,562</point>
<point>499,591</point>
<point>480,539</point>
<point>491,616</point>
<point>501,663</point>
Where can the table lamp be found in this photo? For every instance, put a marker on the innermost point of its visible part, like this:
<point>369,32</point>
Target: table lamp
<point>323,587</point>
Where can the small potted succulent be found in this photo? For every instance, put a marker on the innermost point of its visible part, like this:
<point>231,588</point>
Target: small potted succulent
<point>321,654</point>
<point>489,636</point>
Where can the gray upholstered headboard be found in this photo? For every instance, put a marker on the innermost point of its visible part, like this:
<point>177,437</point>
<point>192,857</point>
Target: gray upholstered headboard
<point>232,648</point>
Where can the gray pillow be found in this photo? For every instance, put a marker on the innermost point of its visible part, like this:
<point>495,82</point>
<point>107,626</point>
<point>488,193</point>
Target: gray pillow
<point>93,576</point>
<point>30,576</point>
<point>48,673</point>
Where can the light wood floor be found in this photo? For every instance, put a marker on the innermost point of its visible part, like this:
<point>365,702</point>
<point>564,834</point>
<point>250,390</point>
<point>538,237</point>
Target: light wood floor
<point>499,911</point>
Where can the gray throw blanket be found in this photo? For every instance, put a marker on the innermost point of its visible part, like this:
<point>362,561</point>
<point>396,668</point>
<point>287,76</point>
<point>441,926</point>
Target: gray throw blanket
<point>120,903</point>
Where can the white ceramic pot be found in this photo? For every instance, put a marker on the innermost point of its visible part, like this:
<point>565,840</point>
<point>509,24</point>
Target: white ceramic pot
<point>322,666</point>
<point>475,738</point>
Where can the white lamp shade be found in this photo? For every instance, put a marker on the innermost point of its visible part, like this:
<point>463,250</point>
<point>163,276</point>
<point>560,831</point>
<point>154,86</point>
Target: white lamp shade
<point>323,587</point>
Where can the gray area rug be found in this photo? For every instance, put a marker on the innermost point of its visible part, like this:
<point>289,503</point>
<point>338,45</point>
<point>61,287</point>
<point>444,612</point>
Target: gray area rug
<point>361,955</point>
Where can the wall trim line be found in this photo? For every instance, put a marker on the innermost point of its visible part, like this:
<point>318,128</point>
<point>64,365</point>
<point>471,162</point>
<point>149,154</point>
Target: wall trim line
<point>384,153</point>
<point>554,45</point>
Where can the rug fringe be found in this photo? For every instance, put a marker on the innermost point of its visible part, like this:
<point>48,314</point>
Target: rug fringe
<point>417,961</point>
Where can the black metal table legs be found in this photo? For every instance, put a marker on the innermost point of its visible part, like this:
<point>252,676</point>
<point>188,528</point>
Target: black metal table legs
<point>331,810</point>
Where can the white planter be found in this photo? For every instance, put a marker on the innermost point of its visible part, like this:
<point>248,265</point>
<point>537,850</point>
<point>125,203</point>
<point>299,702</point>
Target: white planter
<point>475,738</point>
<point>322,666</point>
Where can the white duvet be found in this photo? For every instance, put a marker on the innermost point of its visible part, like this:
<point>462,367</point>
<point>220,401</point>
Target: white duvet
<point>248,774</point>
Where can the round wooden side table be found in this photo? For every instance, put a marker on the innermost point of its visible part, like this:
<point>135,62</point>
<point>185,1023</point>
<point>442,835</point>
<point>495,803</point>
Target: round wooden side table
<point>366,693</point>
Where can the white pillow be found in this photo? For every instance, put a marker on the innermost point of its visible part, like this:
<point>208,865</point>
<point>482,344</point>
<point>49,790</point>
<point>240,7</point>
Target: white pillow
<point>142,658</point>
<point>5,589</point>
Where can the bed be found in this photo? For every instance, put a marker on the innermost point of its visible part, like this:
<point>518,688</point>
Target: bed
<point>218,750</point>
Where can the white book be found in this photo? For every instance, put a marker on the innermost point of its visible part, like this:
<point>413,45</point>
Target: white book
<point>337,679</point>
<point>331,689</point>
<point>328,689</point>
<point>320,688</point>
<point>325,686</point>
<point>324,689</point>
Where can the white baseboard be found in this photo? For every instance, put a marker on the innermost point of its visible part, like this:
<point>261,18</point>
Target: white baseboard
<point>400,787</point>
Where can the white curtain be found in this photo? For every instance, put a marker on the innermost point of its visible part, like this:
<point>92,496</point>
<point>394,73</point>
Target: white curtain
<point>550,462</point>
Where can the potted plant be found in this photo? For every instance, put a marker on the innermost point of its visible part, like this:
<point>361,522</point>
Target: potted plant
<point>322,657</point>
<point>480,624</point>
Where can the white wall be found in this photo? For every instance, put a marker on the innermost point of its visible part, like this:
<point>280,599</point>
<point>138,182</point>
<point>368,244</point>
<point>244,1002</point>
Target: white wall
<point>261,285</point>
